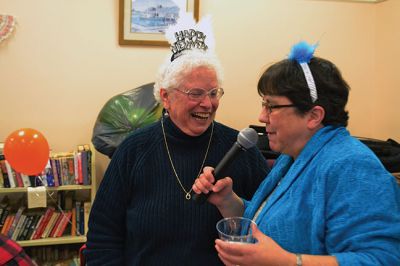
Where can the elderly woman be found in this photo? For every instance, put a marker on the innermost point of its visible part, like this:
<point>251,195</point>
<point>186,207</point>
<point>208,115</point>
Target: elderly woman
<point>143,213</point>
<point>328,200</point>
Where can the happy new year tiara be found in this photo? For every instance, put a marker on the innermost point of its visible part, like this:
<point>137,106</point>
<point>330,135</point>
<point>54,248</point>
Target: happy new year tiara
<point>186,34</point>
<point>302,53</point>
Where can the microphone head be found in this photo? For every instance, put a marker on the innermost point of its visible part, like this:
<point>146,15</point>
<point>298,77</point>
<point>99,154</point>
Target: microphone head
<point>247,138</point>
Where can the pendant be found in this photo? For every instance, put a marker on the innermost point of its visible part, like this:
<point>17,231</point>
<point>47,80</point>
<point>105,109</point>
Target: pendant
<point>188,196</point>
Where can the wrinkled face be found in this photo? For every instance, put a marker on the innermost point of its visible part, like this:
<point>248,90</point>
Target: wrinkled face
<point>287,129</point>
<point>193,117</point>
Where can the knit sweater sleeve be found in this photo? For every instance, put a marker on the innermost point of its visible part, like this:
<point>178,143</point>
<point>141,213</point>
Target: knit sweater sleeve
<point>359,231</point>
<point>106,236</point>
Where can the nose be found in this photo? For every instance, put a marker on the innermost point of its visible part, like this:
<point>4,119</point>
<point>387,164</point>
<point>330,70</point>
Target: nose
<point>206,101</point>
<point>264,116</point>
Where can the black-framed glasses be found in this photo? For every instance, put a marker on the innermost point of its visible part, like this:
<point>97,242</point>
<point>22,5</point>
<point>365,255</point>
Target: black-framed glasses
<point>271,107</point>
<point>198,94</point>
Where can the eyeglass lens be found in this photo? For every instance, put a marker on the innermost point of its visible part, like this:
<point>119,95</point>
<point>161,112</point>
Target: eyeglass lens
<point>199,94</point>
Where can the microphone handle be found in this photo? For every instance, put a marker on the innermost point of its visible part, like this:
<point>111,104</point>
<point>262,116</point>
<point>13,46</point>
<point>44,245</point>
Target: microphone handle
<point>220,170</point>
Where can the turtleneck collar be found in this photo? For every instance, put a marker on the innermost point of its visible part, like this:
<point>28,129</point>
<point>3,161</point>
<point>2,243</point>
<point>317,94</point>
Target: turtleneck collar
<point>173,131</point>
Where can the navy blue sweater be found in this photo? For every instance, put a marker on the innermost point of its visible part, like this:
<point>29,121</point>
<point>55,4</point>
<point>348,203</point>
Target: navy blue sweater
<point>140,215</point>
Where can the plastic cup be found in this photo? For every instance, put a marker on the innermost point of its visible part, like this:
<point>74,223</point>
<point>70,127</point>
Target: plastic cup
<point>236,229</point>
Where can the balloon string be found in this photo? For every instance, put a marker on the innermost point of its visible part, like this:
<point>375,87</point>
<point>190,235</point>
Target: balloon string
<point>50,195</point>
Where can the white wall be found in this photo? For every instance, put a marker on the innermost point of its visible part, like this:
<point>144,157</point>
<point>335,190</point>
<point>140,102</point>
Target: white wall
<point>63,62</point>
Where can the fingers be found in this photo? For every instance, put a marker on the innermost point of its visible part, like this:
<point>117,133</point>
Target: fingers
<point>204,183</point>
<point>231,253</point>
<point>222,184</point>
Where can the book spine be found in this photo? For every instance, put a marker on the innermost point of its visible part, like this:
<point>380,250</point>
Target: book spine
<point>56,225</point>
<point>54,171</point>
<point>11,175</point>
<point>59,171</point>
<point>17,230</point>
<point>4,216</point>
<point>16,220</point>
<point>50,225</point>
<point>36,219</point>
<point>7,224</point>
<point>25,228</point>
<point>63,224</point>
<point>4,171</point>
<point>38,224</point>
<point>71,170</point>
<point>26,180</point>
<point>73,222</point>
<point>18,178</point>
<point>85,176</point>
<point>44,222</point>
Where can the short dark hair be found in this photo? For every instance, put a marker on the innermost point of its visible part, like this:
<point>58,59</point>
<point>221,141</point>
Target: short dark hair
<point>286,78</point>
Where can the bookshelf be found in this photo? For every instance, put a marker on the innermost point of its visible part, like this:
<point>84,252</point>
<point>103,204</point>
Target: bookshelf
<point>84,193</point>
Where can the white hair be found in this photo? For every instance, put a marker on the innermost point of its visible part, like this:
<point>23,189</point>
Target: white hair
<point>172,74</point>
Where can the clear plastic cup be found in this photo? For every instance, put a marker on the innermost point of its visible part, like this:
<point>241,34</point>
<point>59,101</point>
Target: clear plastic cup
<point>236,229</point>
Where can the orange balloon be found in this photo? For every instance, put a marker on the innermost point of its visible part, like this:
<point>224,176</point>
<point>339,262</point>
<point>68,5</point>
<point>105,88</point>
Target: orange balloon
<point>27,151</point>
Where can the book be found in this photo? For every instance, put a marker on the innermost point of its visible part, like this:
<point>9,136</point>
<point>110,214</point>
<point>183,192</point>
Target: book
<point>18,178</point>
<point>18,227</point>
<point>36,219</point>
<point>48,172</point>
<point>43,223</point>
<point>54,171</point>
<point>86,213</point>
<point>6,212</point>
<point>50,224</point>
<point>76,168</point>
<point>1,179</point>
<point>9,220</point>
<point>73,222</point>
<point>71,169</point>
<point>63,224</point>
<point>11,174</point>
<point>18,215</point>
<point>89,163</point>
<point>78,207</point>
<point>38,223</point>
<point>3,168</point>
<point>3,209</point>
<point>56,224</point>
<point>25,228</point>
<point>26,180</point>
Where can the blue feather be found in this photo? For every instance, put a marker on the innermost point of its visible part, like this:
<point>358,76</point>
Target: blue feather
<point>302,52</point>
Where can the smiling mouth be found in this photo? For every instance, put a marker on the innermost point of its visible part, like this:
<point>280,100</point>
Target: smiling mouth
<point>201,116</point>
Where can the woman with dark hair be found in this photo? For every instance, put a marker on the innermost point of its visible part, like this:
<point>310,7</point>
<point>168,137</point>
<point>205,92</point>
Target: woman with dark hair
<point>328,199</point>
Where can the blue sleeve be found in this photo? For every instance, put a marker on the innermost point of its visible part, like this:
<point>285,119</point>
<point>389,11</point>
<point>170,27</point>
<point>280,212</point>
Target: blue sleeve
<point>358,230</point>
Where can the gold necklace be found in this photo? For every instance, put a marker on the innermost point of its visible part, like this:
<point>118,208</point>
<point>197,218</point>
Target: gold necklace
<point>187,193</point>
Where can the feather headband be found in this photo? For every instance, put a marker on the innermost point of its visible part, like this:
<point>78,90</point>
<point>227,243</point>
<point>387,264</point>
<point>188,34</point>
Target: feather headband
<point>302,53</point>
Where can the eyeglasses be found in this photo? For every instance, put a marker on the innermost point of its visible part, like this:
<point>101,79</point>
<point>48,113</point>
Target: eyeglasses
<point>271,107</point>
<point>198,94</point>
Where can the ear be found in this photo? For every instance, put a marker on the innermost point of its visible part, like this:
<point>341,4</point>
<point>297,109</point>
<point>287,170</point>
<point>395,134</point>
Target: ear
<point>316,115</point>
<point>164,98</point>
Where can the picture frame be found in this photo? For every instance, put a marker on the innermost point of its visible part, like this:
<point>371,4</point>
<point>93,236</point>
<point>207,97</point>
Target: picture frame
<point>141,24</point>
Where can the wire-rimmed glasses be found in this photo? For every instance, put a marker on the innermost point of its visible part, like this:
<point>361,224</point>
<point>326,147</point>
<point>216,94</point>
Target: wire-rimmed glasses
<point>198,94</point>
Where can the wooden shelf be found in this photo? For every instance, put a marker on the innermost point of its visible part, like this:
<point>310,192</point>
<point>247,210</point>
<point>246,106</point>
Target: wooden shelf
<point>60,188</point>
<point>53,241</point>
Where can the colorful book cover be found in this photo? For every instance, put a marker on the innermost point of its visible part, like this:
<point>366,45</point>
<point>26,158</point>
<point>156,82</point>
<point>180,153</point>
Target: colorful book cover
<point>18,215</point>
<point>3,169</point>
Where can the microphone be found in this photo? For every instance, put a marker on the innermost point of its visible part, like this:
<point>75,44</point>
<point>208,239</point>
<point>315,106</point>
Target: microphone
<point>246,139</point>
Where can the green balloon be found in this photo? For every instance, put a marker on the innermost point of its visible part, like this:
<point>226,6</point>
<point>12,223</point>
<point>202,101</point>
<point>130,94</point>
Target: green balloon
<point>122,114</point>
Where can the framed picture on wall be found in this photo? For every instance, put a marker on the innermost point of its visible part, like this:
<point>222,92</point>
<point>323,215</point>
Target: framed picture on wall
<point>143,22</point>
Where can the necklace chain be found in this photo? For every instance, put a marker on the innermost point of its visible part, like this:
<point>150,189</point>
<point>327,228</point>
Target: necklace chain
<point>187,193</point>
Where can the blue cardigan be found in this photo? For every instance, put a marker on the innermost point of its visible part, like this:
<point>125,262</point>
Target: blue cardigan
<point>336,198</point>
